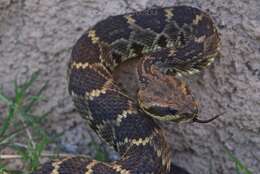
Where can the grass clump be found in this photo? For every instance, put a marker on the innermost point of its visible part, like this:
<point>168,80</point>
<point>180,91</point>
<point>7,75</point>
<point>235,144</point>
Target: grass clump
<point>20,129</point>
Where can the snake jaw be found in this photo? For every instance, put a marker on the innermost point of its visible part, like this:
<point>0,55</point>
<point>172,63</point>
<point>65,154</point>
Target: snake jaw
<point>165,114</point>
<point>169,113</point>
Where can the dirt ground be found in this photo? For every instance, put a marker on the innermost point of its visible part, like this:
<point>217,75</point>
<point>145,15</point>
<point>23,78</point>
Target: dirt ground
<point>39,34</point>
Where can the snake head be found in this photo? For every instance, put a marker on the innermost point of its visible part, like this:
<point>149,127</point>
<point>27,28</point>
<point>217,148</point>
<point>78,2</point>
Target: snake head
<point>165,97</point>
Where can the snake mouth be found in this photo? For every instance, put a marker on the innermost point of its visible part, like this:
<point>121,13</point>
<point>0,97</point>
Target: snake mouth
<point>167,113</point>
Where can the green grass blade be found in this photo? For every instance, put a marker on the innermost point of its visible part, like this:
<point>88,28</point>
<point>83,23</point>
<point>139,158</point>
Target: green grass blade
<point>7,121</point>
<point>37,97</point>
<point>27,84</point>
<point>4,98</point>
<point>240,167</point>
<point>20,121</point>
<point>100,154</point>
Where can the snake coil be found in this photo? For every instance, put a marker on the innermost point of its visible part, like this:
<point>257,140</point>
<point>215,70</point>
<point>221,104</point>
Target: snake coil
<point>169,42</point>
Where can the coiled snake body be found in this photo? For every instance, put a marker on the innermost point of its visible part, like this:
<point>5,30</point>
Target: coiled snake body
<point>169,42</point>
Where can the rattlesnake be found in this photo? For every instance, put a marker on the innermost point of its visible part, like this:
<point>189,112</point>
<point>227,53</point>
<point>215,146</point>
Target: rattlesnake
<point>169,42</point>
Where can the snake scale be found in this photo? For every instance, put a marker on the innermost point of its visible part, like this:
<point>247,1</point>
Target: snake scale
<point>168,42</point>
